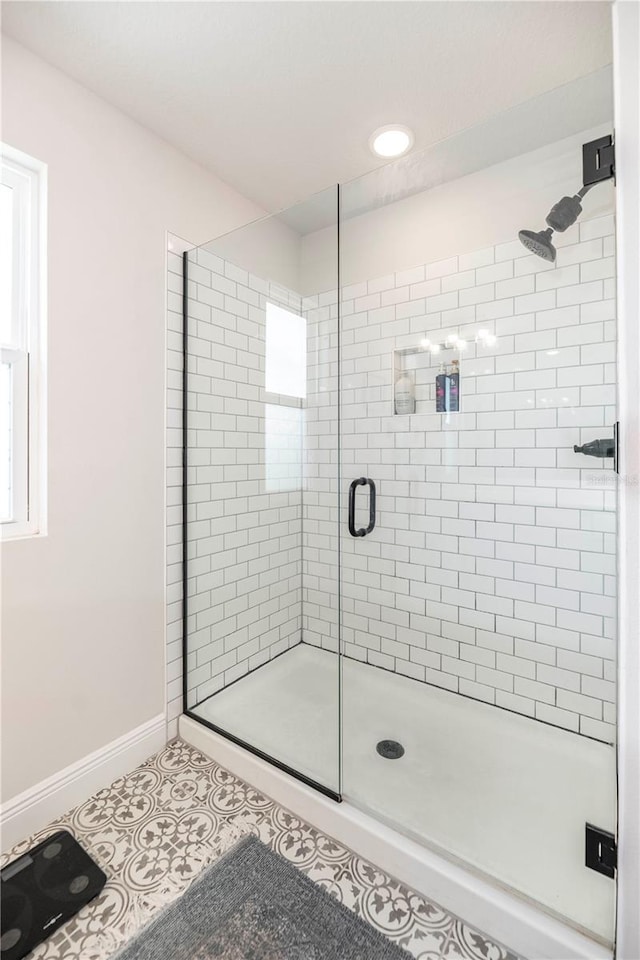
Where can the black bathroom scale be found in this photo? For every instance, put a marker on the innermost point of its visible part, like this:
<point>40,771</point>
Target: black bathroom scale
<point>43,889</point>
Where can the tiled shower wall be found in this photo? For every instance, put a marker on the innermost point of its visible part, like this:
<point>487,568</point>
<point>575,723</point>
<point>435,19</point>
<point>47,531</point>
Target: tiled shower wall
<point>320,527</point>
<point>491,571</point>
<point>245,482</point>
<point>285,448</point>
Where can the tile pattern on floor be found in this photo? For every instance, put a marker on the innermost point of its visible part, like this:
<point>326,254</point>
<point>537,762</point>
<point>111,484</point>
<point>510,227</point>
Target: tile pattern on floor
<point>154,830</point>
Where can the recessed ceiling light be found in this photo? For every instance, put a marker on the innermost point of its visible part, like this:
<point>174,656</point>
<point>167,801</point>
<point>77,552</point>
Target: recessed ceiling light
<point>391,141</point>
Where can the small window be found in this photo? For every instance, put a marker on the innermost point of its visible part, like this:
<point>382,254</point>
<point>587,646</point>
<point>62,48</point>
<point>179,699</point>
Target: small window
<point>22,344</point>
<point>286,353</point>
<point>286,388</point>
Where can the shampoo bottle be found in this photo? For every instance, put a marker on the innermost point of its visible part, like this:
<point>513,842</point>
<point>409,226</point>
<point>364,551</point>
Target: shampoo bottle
<point>405,397</point>
<point>442,391</point>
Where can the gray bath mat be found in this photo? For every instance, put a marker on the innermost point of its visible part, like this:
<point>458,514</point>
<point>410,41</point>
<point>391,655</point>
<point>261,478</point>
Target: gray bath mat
<point>254,905</point>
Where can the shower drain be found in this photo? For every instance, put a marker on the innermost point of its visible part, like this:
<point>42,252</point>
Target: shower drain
<point>390,749</point>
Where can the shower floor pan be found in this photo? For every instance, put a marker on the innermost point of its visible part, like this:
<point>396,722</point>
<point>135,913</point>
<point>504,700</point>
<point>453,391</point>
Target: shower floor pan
<point>506,795</point>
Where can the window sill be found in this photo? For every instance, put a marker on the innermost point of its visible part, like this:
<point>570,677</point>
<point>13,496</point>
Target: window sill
<point>10,532</point>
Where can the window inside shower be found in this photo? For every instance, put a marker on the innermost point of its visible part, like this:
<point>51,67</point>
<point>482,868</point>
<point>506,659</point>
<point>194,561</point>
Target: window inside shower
<point>285,352</point>
<point>400,575</point>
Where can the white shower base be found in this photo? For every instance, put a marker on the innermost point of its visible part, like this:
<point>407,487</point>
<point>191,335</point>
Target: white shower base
<point>506,795</point>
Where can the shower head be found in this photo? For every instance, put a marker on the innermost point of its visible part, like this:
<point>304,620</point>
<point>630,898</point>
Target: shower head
<point>562,215</point>
<point>597,165</point>
<point>539,243</point>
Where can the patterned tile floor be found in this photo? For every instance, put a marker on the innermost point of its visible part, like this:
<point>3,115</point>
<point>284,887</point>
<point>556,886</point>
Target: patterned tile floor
<point>154,830</point>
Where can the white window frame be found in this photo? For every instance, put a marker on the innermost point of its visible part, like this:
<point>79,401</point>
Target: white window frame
<point>26,352</point>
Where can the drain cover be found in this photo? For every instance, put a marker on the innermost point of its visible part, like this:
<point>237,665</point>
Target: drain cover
<point>390,749</point>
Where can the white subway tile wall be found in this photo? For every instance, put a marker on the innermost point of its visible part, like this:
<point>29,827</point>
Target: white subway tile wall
<point>244,507</point>
<point>320,526</point>
<point>245,484</point>
<point>492,568</point>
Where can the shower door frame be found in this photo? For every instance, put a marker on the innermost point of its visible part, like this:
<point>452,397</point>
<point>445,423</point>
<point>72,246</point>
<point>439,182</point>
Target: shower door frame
<point>626,73</point>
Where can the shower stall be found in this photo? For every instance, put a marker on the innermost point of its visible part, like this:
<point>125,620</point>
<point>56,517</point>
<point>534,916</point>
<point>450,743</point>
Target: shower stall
<point>399,573</point>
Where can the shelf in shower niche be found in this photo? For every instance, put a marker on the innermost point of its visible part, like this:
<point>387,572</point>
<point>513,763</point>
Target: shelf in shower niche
<point>426,351</point>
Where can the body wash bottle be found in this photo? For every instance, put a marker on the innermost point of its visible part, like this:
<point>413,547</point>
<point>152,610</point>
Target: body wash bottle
<point>454,387</point>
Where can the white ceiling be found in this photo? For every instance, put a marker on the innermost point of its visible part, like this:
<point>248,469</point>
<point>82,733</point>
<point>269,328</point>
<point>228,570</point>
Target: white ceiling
<point>279,98</point>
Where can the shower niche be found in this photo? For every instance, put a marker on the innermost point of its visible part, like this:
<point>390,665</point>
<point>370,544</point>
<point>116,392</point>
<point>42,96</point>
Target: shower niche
<point>426,378</point>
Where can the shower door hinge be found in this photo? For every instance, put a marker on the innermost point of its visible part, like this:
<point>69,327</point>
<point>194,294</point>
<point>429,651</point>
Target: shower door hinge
<point>598,160</point>
<point>601,852</point>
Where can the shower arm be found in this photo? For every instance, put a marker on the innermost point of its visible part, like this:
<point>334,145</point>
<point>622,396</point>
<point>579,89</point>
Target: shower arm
<point>584,190</point>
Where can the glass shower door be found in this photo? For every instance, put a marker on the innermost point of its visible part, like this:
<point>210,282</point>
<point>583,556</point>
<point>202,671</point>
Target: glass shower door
<point>261,459</point>
<point>478,609</point>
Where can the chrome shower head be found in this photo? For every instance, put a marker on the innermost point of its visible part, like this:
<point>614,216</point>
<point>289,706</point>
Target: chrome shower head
<point>539,243</point>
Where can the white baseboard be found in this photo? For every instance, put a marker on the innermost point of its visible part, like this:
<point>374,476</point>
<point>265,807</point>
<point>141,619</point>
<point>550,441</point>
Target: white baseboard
<point>172,729</point>
<point>35,808</point>
<point>520,925</point>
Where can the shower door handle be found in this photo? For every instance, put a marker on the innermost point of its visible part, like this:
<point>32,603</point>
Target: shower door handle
<point>363,531</point>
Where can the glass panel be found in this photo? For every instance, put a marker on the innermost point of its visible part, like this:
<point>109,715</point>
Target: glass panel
<point>262,494</point>
<point>478,617</point>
